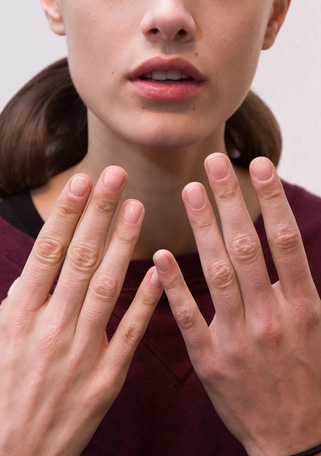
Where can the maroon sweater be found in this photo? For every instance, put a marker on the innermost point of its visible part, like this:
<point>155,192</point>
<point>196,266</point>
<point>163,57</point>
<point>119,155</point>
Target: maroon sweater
<point>163,409</point>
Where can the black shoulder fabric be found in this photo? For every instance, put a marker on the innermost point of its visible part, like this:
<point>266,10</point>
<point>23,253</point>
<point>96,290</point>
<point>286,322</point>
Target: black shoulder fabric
<point>20,212</point>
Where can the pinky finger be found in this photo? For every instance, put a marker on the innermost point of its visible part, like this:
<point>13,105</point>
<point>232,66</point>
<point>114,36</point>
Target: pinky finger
<point>195,331</point>
<point>133,325</point>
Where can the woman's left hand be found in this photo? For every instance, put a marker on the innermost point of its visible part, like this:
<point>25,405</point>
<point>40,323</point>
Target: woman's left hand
<point>260,358</point>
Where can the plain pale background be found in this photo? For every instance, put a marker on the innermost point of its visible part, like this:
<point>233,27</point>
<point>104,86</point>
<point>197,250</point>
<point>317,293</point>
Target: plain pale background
<point>288,79</point>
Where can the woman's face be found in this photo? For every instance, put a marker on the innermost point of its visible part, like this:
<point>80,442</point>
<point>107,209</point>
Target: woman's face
<point>206,50</point>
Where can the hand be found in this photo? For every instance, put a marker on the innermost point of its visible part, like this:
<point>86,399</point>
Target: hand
<point>259,360</point>
<point>59,373</point>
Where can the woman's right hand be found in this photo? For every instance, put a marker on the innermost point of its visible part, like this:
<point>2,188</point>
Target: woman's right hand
<point>59,373</point>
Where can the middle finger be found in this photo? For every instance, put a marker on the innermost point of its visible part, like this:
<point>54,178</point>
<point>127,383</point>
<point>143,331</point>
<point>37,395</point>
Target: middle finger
<point>241,240</point>
<point>87,246</point>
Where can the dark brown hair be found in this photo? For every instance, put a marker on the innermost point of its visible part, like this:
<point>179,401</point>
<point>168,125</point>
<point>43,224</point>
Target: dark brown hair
<point>43,131</point>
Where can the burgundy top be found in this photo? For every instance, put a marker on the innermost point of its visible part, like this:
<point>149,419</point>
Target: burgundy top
<point>163,409</point>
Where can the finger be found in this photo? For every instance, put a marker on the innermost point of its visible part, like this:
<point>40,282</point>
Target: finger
<point>49,250</point>
<point>10,291</point>
<point>13,286</point>
<point>282,230</point>
<point>241,240</point>
<point>107,281</point>
<point>133,326</point>
<point>196,333</point>
<point>86,248</point>
<point>217,267</point>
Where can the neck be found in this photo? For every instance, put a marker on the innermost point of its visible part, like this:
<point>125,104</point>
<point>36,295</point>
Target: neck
<point>156,177</point>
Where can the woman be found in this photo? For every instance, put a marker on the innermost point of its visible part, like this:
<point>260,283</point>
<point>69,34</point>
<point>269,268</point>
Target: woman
<point>159,80</point>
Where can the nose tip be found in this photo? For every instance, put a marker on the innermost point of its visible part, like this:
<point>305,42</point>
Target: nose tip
<point>168,24</point>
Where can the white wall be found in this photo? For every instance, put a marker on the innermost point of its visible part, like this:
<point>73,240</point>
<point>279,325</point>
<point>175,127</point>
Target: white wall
<point>289,76</point>
<point>289,79</point>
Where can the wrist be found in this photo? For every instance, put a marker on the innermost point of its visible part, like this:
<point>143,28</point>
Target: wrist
<point>314,451</point>
<point>307,451</point>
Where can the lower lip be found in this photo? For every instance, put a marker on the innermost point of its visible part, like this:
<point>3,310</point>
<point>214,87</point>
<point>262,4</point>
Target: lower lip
<point>166,91</point>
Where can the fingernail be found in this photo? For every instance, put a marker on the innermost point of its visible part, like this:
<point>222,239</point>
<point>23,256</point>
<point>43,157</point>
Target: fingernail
<point>132,212</point>
<point>114,179</point>
<point>154,280</point>
<point>218,167</point>
<point>262,169</point>
<point>79,186</point>
<point>196,197</point>
<point>161,262</point>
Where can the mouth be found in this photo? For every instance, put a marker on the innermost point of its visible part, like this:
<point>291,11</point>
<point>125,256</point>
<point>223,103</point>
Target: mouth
<point>166,76</point>
<point>166,80</point>
<point>163,70</point>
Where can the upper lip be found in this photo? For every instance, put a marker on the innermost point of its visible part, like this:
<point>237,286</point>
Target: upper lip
<point>162,64</point>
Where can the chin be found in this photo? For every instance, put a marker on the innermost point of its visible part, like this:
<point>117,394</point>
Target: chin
<point>165,141</point>
<point>169,135</point>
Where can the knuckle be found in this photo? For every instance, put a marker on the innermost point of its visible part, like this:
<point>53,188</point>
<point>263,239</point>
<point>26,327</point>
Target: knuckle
<point>105,287</point>
<point>185,317</point>
<point>132,333</point>
<point>174,283</point>
<point>244,248</point>
<point>206,370</point>
<point>147,300</point>
<point>227,193</point>
<point>127,238</point>
<point>102,391</point>
<point>268,334</point>
<point>49,251</point>
<point>3,303</point>
<point>211,370</point>
<point>204,222</point>
<point>271,194</point>
<point>82,257</point>
<point>221,274</point>
<point>68,209</point>
<point>306,317</point>
<point>105,205</point>
<point>286,237</point>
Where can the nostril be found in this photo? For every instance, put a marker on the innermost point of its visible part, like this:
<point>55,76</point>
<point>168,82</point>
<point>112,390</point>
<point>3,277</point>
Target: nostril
<point>182,33</point>
<point>154,31</point>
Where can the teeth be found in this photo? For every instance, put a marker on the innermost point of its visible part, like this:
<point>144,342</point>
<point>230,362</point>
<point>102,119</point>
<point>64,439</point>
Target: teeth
<point>174,75</point>
<point>159,75</point>
<point>170,75</point>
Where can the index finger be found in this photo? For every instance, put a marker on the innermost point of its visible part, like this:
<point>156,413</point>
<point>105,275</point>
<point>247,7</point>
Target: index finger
<point>50,247</point>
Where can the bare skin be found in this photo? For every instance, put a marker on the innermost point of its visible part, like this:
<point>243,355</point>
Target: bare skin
<point>158,185</point>
<point>162,147</point>
<point>259,358</point>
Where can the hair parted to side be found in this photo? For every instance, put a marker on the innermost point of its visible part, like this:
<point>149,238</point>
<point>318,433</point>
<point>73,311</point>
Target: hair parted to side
<point>43,131</point>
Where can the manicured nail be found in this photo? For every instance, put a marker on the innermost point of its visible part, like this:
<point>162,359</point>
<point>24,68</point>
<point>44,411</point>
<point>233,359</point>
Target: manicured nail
<point>218,167</point>
<point>114,179</point>
<point>161,262</point>
<point>262,169</point>
<point>132,212</point>
<point>154,280</point>
<point>79,186</point>
<point>196,197</point>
